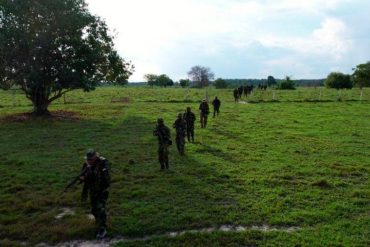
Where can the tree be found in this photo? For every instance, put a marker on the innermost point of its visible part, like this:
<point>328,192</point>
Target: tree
<point>151,79</point>
<point>184,82</point>
<point>338,80</point>
<point>159,80</point>
<point>287,84</point>
<point>164,81</point>
<point>48,48</point>
<point>271,81</point>
<point>220,83</point>
<point>201,75</point>
<point>361,75</point>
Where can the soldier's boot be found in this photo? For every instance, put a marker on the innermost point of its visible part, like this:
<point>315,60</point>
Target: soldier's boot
<point>102,233</point>
<point>162,166</point>
<point>167,165</point>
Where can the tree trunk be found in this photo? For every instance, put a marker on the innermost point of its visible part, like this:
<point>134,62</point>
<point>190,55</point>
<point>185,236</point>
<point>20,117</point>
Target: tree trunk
<point>41,110</point>
<point>40,103</point>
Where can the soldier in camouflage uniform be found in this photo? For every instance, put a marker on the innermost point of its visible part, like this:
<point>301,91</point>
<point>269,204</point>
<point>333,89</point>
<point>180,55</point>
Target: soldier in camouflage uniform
<point>180,126</point>
<point>96,184</point>
<point>189,118</point>
<point>216,106</point>
<point>164,141</point>
<point>204,111</point>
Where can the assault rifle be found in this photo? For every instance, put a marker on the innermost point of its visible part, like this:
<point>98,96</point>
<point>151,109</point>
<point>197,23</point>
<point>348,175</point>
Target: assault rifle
<point>77,178</point>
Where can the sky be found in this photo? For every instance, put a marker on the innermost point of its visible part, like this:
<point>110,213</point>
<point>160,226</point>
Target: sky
<point>304,39</point>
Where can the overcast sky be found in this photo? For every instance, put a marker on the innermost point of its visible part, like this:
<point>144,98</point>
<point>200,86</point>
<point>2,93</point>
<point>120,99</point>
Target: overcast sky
<point>239,38</point>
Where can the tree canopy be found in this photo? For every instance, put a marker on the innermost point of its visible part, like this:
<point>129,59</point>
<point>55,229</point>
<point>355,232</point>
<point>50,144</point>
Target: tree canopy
<point>159,80</point>
<point>338,80</point>
<point>48,48</point>
<point>184,82</point>
<point>200,75</point>
<point>361,75</point>
<point>271,81</point>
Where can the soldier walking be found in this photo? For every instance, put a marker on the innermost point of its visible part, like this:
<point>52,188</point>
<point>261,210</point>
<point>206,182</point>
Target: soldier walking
<point>236,95</point>
<point>96,184</point>
<point>189,118</point>
<point>204,111</point>
<point>180,126</point>
<point>164,141</point>
<point>216,106</point>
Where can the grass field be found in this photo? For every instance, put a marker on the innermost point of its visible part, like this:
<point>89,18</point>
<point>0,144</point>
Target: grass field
<point>301,160</point>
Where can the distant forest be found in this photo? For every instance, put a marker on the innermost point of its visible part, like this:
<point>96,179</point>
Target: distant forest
<point>302,82</point>
<point>238,82</point>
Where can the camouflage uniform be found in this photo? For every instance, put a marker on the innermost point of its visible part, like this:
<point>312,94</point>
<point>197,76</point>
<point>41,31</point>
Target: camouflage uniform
<point>236,95</point>
<point>180,126</point>
<point>164,141</point>
<point>216,106</point>
<point>96,185</point>
<point>204,111</point>
<point>189,118</point>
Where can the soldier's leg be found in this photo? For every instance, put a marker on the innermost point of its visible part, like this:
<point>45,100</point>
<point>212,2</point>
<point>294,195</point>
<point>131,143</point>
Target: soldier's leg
<point>205,121</point>
<point>182,152</point>
<point>161,157</point>
<point>192,133</point>
<point>188,133</point>
<point>201,120</point>
<point>166,157</point>
<point>178,144</point>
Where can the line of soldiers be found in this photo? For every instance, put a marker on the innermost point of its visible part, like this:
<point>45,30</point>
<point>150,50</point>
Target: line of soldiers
<point>238,92</point>
<point>184,126</point>
<point>95,172</point>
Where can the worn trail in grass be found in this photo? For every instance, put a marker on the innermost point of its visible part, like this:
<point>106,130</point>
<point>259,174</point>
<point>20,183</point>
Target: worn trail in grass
<point>300,164</point>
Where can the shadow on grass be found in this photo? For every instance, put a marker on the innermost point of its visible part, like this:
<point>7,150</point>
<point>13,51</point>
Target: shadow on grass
<point>38,158</point>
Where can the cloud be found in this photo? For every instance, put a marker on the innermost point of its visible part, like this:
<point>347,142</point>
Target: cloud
<point>170,36</point>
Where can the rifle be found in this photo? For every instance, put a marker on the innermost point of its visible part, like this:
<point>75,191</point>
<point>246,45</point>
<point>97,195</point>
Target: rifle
<point>77,178</point>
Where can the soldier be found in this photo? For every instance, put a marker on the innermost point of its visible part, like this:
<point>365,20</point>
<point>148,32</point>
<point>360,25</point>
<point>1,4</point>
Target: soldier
<point>189,118</point>
<point>164,141</point>
<point>216,106</point>
<point>204,111</point>
<point>96,180</point>
<point>180,126</point>
<point>236,95</point>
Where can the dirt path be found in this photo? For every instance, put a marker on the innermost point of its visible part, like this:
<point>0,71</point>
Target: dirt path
<point>223,228</point>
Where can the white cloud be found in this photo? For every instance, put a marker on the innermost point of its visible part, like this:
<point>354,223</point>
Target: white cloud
<point>159,35</point>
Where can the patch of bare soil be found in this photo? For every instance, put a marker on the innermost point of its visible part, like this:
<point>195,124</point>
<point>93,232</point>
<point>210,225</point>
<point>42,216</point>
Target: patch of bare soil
<point>55,115</point>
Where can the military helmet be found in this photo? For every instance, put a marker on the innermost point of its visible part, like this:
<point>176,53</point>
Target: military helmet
<point>90,154</point>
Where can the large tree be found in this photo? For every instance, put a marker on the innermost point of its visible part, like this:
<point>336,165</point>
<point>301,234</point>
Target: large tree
<point>361,75</point>
<point>159,80</point>
<point>271,81</point>
<point>338,80</point>
<point>200,75</point>
<point>48,48</point>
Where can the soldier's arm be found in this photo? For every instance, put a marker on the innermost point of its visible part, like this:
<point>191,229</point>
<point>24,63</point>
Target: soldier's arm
<point>155,132</point>
<point>106,179</point>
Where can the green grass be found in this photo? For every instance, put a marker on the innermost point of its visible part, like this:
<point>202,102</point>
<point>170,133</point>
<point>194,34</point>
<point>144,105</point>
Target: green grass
<point>287,163</point>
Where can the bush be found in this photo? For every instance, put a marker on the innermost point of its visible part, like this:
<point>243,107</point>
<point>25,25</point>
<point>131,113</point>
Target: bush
<point>338,80</point>
<point>286,84</point>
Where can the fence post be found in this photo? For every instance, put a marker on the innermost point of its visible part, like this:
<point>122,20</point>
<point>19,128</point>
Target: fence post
<point>13,97</point>
<point>362,93</point>
<point>320,94</point>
